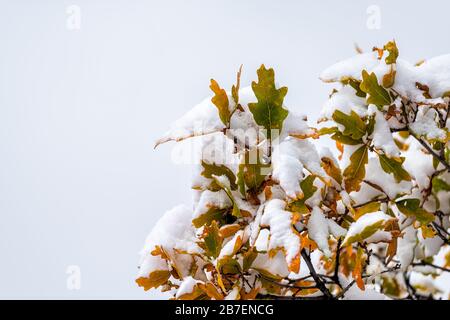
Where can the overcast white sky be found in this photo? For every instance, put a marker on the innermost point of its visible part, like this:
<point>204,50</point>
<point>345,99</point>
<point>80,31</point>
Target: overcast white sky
<point>80,183</point>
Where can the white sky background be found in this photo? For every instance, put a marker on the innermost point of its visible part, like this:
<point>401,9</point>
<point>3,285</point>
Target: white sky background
<point>80,183</point>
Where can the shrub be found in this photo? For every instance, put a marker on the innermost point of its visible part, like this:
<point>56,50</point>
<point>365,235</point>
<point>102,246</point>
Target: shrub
<point>279,215</point>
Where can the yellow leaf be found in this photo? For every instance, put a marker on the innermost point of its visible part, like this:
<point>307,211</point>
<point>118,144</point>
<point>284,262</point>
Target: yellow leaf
<point>369,207</point>
<point>220,100</point>
<point>211,291</point>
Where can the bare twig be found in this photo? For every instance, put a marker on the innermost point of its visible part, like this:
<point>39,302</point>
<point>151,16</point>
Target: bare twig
<point>320,285</point>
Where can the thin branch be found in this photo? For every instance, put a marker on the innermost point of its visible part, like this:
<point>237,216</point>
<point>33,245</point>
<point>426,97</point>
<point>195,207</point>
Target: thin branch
<point>423,263</point>
<point>439,229</point>
<point>336,265</point>
<point>431,151</point>
<point>287,285</point>
<point>320,285</point>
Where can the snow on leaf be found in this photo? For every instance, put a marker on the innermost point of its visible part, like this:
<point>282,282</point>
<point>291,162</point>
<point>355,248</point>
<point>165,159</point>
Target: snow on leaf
<point>308,188</point>
<point>377,94</point>
<point>201,120</point>
<point>188,289</point>
<point>232,246</point>
<point>289,159</point>
<point>173,231</point>
<point>355,172</point>
<point>318,230</point>
<point>366,226</point>
<point>282,235</point>
<point>406,247</point>
<point>268,111</point>
<point>224,183</point>
<point>209,201</point>
<point>350,68</point>
<point>219,170</point>
<point>381,134</point>
<point>426,125</point>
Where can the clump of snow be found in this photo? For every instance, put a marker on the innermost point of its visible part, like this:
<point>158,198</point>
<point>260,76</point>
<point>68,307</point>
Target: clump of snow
<point>432,73</point>
<point>289,158</point>
<point>351,68</point>
<point>425,125</point>
<point>436,74</point>
<point>228,248</point>
<point>173,230</point>
<point>386,181</point>
<point>211,199</point>
<point>280,223</point>
<point>365,221</point>
<point>318,230</point>
<point>187,286</point>
<point>346,101</point>
<point>201,119</point>
<point>275,265</point>
<point>382,136</point>
<point>262,242</point>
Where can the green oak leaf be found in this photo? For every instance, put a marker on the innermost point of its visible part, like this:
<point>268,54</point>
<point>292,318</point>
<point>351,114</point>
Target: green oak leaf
<point>212,240</point>
<point>213,214</point>
<point>392,49</point>
<point>439,184</point>
<point>268,111</point>
<point>378,95</point>
<point>354,127</point>
<point>356,170</point>
<point>395,167</point>
<point>355,84</point>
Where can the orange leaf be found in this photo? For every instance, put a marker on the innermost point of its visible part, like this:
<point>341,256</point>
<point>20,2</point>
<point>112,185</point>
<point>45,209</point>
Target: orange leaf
<point>294,266</point>
<point>229,230</point>
<point>211,291</point>
<point>340,147</point>
<point>154,280</point>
